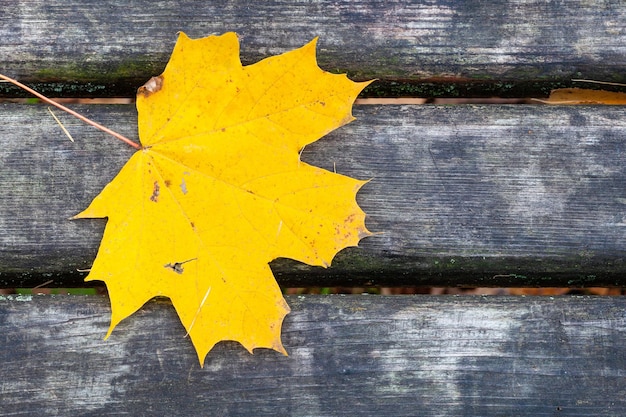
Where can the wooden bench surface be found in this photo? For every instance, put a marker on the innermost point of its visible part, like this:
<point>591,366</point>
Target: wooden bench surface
<point>462,195</point>
<point>442,48</point>
<point>477,195</point>
<point>348,356</point>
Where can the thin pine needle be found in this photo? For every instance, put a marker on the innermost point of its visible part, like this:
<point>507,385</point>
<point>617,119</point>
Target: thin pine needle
<point>70,111</point>
<point>198,311</point>
<point>598,82</point>
<point>61,125</point>
<point>43,284</point>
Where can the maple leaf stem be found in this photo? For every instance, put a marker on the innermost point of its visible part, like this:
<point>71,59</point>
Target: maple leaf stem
<point>72,112</point>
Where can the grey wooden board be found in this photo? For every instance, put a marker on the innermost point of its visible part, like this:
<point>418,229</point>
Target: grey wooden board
<point>461,195</point>
<point>348,356</point>
<point>116,46</point>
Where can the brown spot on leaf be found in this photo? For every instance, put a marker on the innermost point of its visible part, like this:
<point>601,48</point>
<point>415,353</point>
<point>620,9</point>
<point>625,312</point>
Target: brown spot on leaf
<point>178,266</point>
<point>155,192</point>
<point>153,85</point>
<point>168,183</point>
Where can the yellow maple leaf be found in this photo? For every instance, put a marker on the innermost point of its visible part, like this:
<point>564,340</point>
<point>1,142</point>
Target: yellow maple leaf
<point>218,190</point>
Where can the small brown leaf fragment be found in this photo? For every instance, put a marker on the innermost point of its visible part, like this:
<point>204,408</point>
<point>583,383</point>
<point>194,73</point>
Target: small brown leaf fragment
<point>153,85</point>
<point>585,96</point>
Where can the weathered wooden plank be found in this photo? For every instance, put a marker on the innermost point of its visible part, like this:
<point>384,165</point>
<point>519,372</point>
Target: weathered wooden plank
<point>355,355</point>
<point>507,47</point>
<point>463,195</point>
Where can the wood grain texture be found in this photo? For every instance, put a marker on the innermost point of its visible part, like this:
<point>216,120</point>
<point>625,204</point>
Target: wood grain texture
<point>461,195</point>
<point>503,44</point>
<point>348,356</point>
